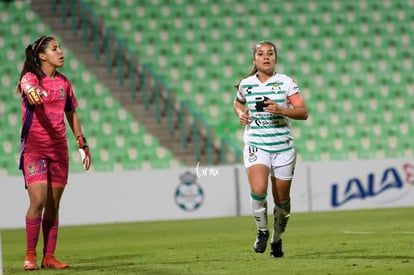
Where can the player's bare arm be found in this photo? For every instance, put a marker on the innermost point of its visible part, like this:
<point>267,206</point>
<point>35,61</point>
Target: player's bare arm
<point>241,112</point>
<point>298,110</point>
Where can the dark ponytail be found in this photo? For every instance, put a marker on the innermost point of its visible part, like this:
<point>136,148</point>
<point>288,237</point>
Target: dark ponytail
<point>32,63</point>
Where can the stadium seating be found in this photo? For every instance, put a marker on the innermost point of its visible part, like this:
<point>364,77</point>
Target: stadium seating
<point>352,61</point>
<point>346,56</point>
<point>117,141</point>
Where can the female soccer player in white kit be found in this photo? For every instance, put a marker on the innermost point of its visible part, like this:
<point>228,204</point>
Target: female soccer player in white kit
<point>265,103</point>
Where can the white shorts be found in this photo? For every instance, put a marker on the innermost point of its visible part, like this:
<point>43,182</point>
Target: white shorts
<point>281,165</point>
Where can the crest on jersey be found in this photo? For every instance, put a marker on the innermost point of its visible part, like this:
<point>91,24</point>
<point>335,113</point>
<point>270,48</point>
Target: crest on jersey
<point>276,88</point>
<point>61,93</point>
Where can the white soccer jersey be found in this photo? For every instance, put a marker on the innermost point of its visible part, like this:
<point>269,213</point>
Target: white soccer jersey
<point>267,131</point>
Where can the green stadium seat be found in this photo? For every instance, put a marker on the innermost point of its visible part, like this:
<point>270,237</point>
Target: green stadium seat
<point>340,47</point>
<point>107,126</point>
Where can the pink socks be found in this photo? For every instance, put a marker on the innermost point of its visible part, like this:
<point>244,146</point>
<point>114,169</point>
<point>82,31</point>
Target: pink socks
<point>32,233</point>
<point>50,232</point>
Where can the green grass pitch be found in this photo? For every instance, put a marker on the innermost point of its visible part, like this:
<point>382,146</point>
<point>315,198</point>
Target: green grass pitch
<point>379,241</point>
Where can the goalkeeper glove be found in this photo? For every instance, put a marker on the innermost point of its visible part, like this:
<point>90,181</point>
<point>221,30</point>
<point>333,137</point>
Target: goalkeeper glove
<point>84,152</point>
<point>34,96</point>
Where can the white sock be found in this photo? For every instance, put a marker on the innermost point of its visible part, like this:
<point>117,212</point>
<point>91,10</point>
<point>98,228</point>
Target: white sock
<point>259,208</point>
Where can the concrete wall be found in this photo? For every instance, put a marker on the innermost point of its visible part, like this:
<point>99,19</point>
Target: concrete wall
<point>214,191</point>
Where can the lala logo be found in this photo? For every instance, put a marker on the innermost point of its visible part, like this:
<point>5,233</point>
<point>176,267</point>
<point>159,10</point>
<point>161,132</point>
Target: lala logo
<point>374,185</point>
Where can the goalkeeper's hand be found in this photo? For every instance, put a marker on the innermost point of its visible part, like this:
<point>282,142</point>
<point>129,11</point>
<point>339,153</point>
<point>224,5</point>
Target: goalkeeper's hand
<point>34,96</point>
<point>84,152</point>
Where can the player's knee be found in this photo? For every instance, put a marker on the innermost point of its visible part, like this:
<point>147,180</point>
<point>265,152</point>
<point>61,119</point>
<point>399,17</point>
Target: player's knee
<point>37,205</point>
<point>282,201</point>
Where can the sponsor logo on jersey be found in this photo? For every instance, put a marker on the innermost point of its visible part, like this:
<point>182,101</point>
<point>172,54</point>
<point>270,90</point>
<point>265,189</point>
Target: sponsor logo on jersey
<point>260,103</point>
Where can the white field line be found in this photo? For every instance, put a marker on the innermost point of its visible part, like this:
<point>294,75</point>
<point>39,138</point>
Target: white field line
<point>373,232</point>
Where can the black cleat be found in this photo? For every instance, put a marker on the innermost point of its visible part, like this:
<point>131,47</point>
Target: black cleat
<point>276,250</point>
<point>261,241</point>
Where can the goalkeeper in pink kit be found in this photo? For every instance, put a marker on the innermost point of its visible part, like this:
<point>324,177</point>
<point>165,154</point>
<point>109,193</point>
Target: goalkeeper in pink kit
<point>47,98</point>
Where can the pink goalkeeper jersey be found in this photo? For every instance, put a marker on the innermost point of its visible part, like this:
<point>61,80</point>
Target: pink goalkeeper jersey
<point>44,125</point>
